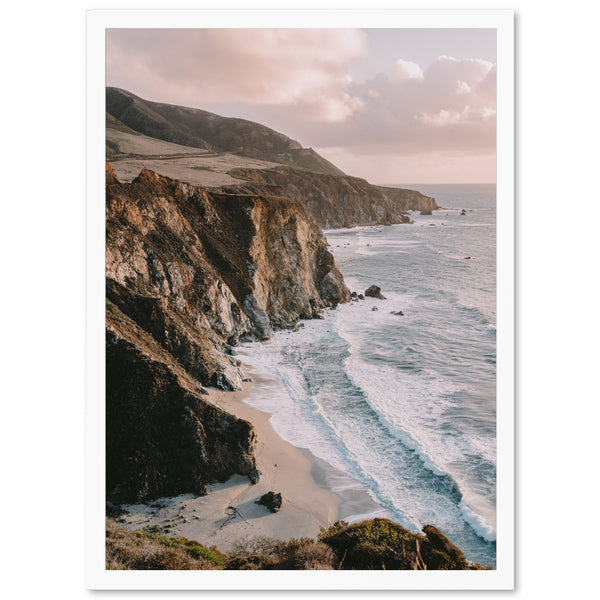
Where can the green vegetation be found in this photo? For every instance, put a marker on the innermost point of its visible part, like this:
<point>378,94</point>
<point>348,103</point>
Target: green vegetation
<point>374,544</point>
<point>191,548</point>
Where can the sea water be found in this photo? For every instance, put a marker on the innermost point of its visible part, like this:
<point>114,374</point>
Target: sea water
<point>404,405</point>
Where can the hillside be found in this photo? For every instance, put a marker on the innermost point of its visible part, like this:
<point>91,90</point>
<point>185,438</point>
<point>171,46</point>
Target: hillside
<point>239,156</point>
<point>205,130</point>
<point>376,544</point>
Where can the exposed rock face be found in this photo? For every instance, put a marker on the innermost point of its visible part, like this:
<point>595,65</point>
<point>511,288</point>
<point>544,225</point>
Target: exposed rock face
<point>162,436</point>
<point>188,272</point>
<point>336,201</point>
<point>409,199</point>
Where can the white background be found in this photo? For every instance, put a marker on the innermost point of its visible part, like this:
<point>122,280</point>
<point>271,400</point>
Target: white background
<point>43,278</point>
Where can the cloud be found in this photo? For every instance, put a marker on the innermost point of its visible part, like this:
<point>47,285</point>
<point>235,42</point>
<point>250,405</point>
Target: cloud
<point>448,107</point>
<point>298,81</point>
<point>303,69</point>
<point>404,69</point>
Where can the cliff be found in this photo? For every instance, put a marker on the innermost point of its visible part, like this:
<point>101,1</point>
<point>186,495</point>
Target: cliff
<point>189,272</point>
<point>406,199</point>
<point>338,201</point>
<point>203,148</point>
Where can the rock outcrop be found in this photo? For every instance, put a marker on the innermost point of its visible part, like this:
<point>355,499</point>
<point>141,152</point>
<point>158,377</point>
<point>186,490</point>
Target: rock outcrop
<point>409,199</point>
<point>383,544</point>
<point>336,200</point>
<point>271,500</point>
<point>374,291</point>
<point>190,272</point>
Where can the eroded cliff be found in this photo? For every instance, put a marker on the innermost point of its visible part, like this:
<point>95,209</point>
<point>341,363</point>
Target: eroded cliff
<point>337,200</point>
<point>189,272</point>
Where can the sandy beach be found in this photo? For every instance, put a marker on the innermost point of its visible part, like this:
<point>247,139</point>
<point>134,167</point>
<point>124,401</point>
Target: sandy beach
<point>228,514</point>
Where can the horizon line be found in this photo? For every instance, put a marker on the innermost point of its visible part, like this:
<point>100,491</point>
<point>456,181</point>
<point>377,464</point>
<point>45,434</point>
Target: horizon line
<point>442,183</point>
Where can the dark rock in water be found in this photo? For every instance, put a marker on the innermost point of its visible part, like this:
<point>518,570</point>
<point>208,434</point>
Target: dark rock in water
<point>374,308</point>
<point>353,295</point>
<point>361,297</point>
<point>397,312</point>
<point>374,291</point>
<point>254,475</point>
<point>247,379</point>
<point>271,500</point>
<point>300,325</point>
<point>426,212</point>
<point>468,257</point>
<point>233,340</point>
<point>463,212</point>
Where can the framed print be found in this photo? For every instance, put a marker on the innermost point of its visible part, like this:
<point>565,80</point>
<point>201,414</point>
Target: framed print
<point>300,300</point>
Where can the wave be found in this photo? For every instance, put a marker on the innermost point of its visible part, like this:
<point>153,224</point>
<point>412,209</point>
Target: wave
<point>480,525</point>
<point>383,386</point>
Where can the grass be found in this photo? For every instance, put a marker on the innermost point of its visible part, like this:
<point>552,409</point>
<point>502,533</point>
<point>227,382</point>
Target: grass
<point>191,548</point>
<point>375,544</point>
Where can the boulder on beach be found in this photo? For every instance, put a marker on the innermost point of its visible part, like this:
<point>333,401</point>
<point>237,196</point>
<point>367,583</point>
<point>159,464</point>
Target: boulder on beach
<point>254,475</point>
<point>271,500</point>
<point>374,291</point>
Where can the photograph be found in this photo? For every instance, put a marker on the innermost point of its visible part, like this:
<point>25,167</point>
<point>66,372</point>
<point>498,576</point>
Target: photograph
<point>302,231</point>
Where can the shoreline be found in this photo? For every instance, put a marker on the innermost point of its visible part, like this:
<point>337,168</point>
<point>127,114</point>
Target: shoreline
<point>228,514</point>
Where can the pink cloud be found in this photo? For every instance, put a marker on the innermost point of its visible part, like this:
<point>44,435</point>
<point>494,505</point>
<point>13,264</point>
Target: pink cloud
<point>307,69</point>
<point>299,82</point>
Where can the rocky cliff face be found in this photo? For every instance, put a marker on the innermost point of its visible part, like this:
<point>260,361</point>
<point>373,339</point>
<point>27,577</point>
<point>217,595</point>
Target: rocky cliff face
<point>338,200</point>
<point>188,273</point>
<point>408,199</point>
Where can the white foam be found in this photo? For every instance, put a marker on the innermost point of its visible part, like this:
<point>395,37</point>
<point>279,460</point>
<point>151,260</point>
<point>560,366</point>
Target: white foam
<point>481,526</point>
<point>410,405</point>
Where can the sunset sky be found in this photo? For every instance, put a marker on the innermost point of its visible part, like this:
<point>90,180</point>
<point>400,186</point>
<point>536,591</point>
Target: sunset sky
<point>390,105</point>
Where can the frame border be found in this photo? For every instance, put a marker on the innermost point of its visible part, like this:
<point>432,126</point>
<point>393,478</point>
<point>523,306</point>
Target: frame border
<point>96,577</point>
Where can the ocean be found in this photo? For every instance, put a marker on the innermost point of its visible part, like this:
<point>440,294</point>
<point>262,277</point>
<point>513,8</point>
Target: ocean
<point>403,406</point>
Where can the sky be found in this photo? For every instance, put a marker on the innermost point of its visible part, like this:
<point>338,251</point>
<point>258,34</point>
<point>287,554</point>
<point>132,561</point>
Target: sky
<point>394,106</point>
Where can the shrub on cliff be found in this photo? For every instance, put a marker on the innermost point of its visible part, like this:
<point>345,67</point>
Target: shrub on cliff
<point>296,554</point>
<point>383,544</point>
<point>375,544</point>
<point>145,551</point>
